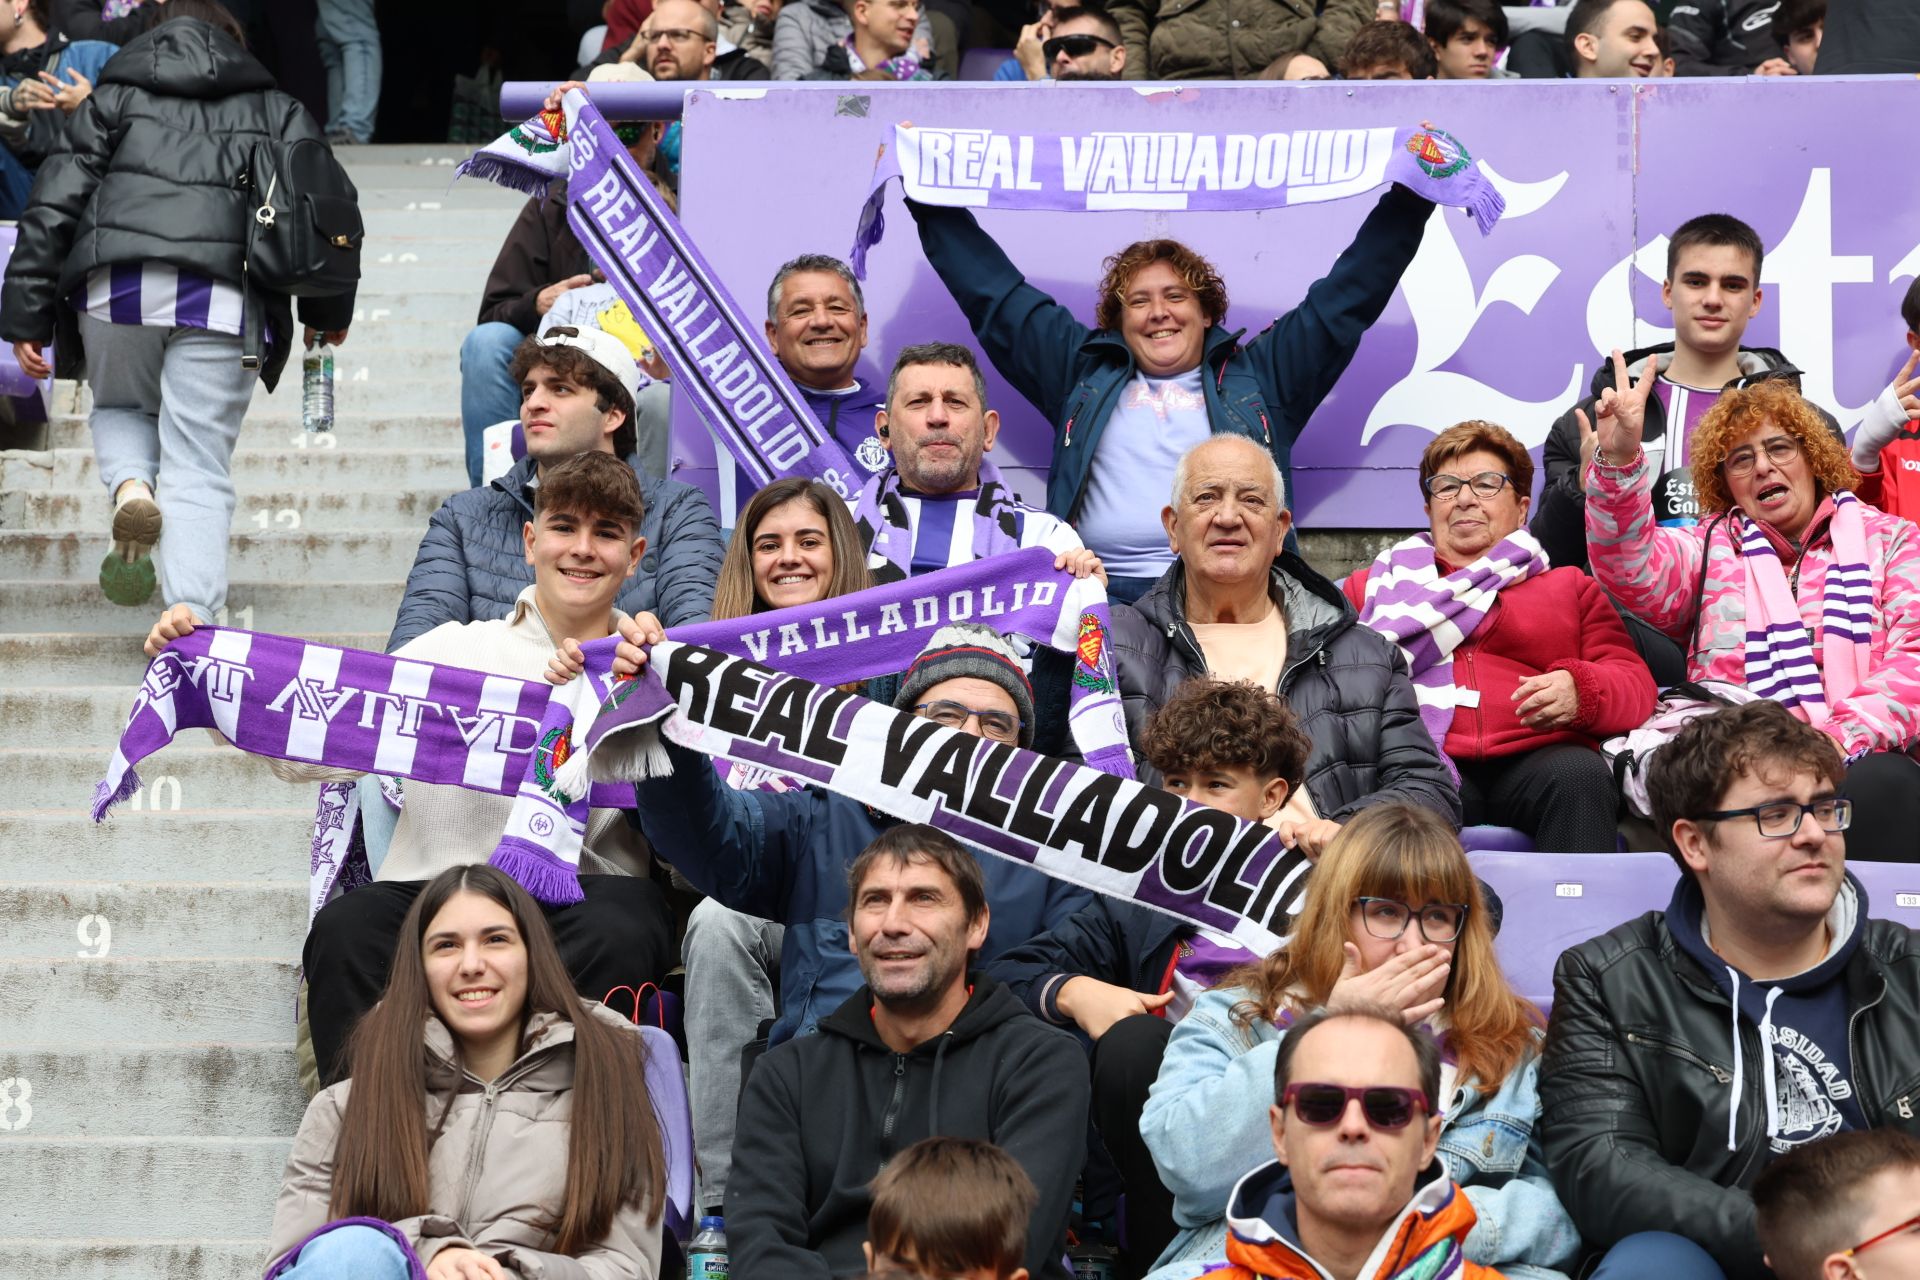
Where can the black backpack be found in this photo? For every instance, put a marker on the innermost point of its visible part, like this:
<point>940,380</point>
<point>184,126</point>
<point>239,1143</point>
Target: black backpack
<point>303,220</point>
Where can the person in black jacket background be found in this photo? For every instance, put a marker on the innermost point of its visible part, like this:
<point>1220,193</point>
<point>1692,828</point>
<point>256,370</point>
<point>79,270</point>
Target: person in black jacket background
<point>1761,1011</point>
<point>925,1048</point>
<point>140,226</point>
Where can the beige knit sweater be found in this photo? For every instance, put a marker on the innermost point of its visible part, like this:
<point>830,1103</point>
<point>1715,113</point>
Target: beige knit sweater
<point>443,826</point>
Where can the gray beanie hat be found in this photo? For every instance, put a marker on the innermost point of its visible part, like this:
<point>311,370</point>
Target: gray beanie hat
<point>969,649</point>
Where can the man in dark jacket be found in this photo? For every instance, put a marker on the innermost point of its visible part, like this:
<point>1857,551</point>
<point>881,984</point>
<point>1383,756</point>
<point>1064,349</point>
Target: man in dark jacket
<point>472,563</point>
<point>1870,37</point>
<point>1162,372</point>
<point>1238,607</point>
<point>925,1048</point>
<point>1762,1010</point>
<point>1725,38</point>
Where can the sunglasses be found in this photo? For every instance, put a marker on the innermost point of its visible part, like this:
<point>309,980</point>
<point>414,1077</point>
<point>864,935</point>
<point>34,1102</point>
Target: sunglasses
<point>1077,46</point>
<point>1384,1106</point>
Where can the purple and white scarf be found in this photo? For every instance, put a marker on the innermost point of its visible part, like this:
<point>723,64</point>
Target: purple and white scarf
<point>718,359</point>
<point>1110,834</point>
<point>1168,169</point>
<point>1427,615</point>
<point>1779,654</point>
<point>881,517</point>
<point>902,66</point>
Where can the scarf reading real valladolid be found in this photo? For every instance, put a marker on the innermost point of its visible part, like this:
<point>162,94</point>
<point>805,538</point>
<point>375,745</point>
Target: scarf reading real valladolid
<point>286,698</point>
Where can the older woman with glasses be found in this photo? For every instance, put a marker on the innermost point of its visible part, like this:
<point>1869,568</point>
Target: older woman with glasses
<point>1393,918</point>
<point>1520,669</point>
<point>1790,585</point>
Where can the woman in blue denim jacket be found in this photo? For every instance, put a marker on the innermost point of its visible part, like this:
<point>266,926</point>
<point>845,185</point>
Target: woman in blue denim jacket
<point>1393,916</point>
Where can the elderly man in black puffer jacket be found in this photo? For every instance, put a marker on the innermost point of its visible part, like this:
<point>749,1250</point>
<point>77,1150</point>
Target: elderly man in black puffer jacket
<point>1237,608</point>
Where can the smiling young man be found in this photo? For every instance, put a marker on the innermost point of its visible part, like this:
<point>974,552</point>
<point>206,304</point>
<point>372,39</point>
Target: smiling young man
<point>926,1047</point>
<point>1162,371</point>
<point>583,543</point>
<point>1613,39</point>
<point>577,388</point>
<point>1356,1190</point>
<point>1761,1011</point>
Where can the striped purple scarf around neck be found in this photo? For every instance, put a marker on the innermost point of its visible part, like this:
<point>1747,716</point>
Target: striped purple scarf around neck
<point>1427,615</point>
<point>1779,652</point>
<point>881,516</point>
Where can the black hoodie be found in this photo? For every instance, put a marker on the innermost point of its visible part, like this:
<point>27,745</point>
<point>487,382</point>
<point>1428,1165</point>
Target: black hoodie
<point>823,1113</point>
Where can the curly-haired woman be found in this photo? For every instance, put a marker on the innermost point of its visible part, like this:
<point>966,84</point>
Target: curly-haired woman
<point>1789,585</point>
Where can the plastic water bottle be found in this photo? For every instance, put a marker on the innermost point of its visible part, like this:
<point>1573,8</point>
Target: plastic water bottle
<point>707,1251</point>
<point>316,388</point>
<point>1091,1260</point>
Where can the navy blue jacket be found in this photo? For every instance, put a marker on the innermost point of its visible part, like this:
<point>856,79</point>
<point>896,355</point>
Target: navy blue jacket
<point>1108,939</point>
<point>1266,389</point>
<point>472,563</point>
<point>783,856</point>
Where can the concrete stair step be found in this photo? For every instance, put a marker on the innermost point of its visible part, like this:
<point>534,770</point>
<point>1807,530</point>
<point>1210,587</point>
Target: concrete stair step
<point>60,659</point>
<point>387,315</point>
<point>158,1091</point>
<point>276,425</point>
<point>442,465</point>
<point>206,777</point>
<point>116,1002</point>
<point>91,1258</point>
<point>86,512</point>
<point>446,248</point>
<point>478,227</point>
<point>284,608</point>
<point>165,1188</point>
<point>380,556</point>
<point>165,848</point>
<point>131,920</point>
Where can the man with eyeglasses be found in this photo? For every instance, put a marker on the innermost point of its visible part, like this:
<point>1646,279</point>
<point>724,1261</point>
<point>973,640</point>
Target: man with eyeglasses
<point>1761,1011</point>
<point>1356,1190</point>
<point>1067,43</point>
<point>1844,1208</point>
<point>783,855</point>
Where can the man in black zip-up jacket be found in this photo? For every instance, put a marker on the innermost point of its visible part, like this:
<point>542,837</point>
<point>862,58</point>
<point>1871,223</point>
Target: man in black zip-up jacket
<point>924,1049</point>
<point>1761,1011</point>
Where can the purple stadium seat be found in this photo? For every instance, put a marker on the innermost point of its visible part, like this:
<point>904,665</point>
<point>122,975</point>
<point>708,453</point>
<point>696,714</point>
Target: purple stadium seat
<point>1556,900</point>
<point>980,64</point>
<point>1893,890</point>
<point>1496,840</point>
<point>668,1089</point>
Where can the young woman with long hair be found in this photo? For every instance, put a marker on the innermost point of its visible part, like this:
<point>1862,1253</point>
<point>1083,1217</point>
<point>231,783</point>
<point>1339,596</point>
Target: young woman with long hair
<point>492,1123</point>
<point>795,544</point>
<point>1393,916</point>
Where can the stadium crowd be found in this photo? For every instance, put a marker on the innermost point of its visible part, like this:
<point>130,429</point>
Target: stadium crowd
<point>907,1058</point>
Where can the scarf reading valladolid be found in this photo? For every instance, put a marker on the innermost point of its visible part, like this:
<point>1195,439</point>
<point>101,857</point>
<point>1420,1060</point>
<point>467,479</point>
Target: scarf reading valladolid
<point>1168,170</point>
<point>1779,656</point>
<point>1110,834</point>
<point>717,357</point>
<point>1427,614</point>
<point>347,709</point>
<point>881,516</point>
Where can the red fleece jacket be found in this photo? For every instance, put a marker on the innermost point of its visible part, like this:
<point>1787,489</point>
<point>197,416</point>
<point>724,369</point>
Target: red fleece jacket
<point>1559,620</point>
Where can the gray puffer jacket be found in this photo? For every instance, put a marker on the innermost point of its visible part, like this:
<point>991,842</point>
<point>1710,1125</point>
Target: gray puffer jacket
<point>1346,683</point>
<point>806,29</point>
<point>472,564</point>
<point>497,1170</point>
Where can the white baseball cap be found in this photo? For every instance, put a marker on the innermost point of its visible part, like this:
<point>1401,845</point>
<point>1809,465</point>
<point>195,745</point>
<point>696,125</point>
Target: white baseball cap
<point>606,351</point>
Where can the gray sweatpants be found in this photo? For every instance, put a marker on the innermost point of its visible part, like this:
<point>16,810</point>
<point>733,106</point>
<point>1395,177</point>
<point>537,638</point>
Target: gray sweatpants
<point>167,406</point>
<point>731,959</point>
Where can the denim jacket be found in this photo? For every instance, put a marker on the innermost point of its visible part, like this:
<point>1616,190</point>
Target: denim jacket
<point>1206,1124</point>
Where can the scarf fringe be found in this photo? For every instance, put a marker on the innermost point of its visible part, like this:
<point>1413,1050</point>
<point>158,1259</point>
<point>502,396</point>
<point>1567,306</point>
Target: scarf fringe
<point>105,797</point>
<point>504,172</point>
<point>1485,207</point>
<point>552,882</point>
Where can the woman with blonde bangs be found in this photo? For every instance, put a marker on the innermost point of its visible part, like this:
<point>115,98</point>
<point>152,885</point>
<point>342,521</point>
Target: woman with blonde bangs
<point>1395,917</point>
<point>1790,585</point>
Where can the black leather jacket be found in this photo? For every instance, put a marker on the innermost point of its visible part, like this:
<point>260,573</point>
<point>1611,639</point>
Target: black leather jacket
<point>1638,1078</point>
<point>1347,684</point>
<point>152,173</point>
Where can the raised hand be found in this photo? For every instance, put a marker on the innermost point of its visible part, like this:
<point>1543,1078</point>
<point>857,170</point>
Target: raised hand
<point>1620,416</point>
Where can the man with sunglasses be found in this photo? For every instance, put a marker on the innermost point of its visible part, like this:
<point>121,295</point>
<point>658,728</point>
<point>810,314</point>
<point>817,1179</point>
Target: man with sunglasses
<point>1761,1011</point>
<point>1067,43</point>
<point>1847,1208</point>
<point>1355,1191</point>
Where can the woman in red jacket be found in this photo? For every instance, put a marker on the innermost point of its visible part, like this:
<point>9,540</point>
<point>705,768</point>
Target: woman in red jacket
<point>1520,668</point>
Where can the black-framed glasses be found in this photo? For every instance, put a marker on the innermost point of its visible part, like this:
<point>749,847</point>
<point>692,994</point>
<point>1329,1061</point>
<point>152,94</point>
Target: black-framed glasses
<point>1780,373</point>
<point>679,35</point>
<point>1386,1107</point>
<point>1781,818</point>
<point>1780,451</point>
<point>1486,484</point>
<point>1074,46</point>
<point>1909,1225</point>
<point>1388,918</point>
<point>1001,726</point>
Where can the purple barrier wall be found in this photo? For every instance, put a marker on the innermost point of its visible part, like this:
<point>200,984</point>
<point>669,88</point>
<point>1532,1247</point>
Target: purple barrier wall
<point>1510,327</point>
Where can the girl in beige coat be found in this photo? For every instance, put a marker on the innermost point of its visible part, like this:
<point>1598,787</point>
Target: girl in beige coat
<point>452,1152</point>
